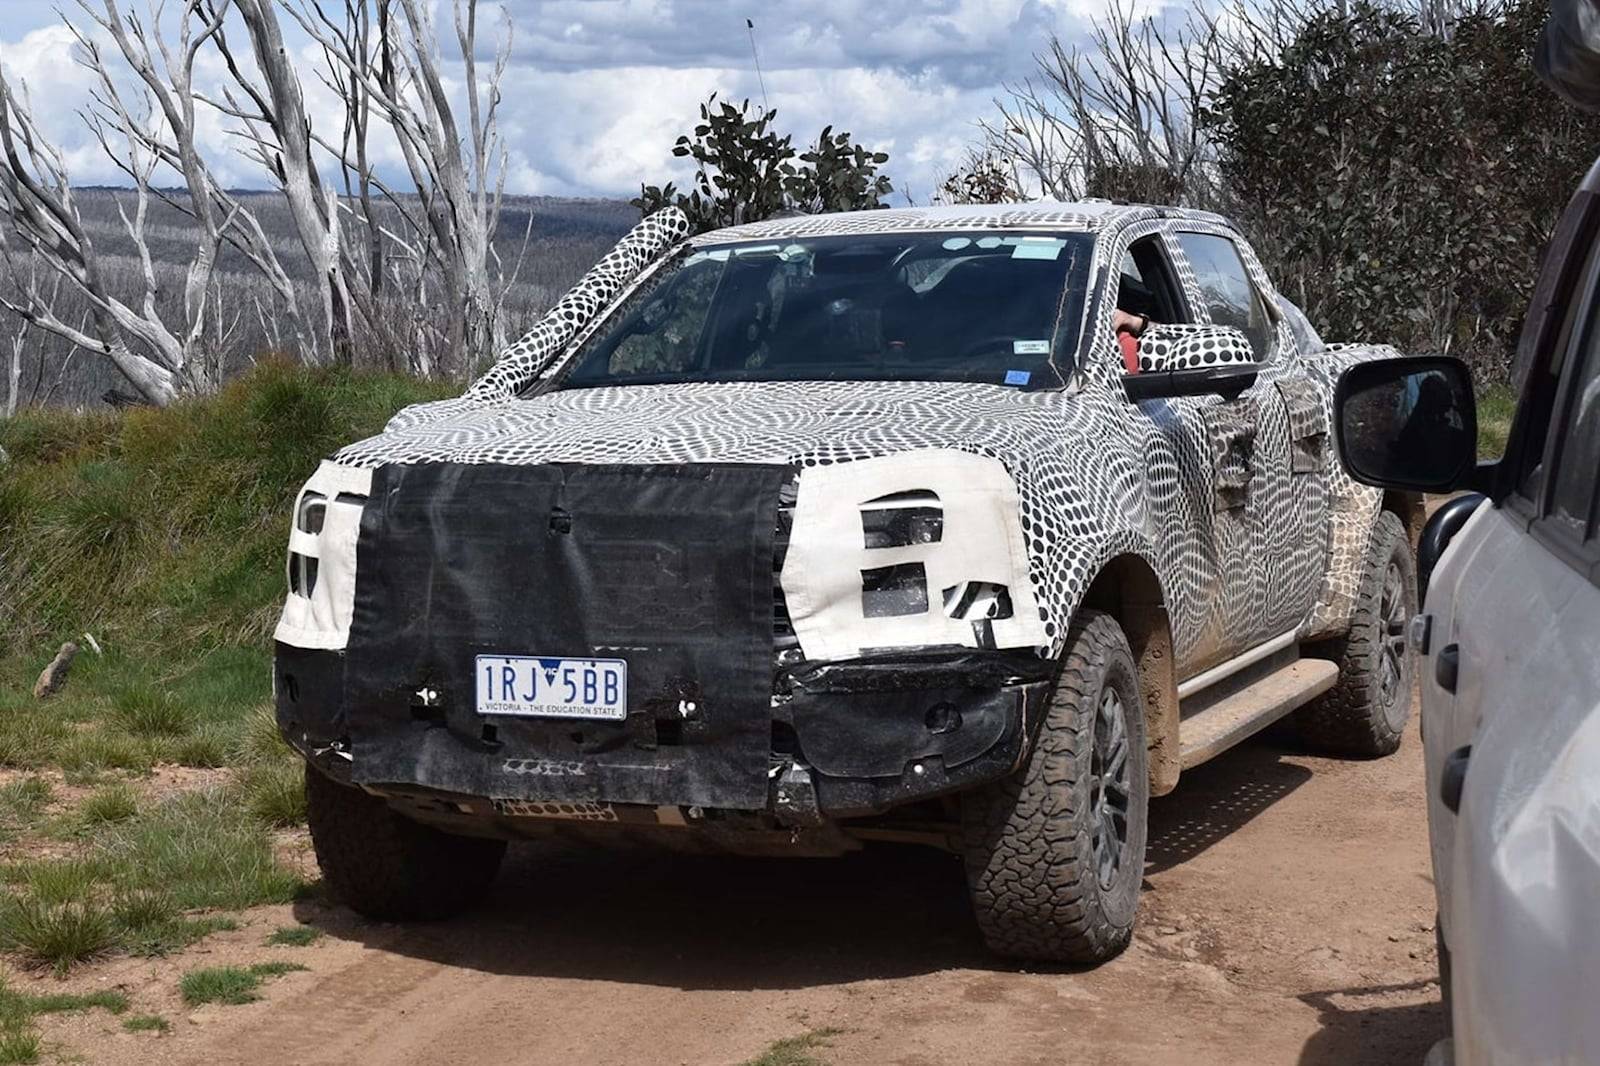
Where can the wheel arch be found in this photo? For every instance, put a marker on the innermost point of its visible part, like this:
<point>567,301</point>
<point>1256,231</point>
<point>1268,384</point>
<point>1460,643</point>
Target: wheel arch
<point>1128,588</point>
<point>1410,508</point>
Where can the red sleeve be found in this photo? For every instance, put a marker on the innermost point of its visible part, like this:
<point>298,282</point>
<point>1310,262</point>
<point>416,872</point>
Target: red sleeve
<point>1130,351</point>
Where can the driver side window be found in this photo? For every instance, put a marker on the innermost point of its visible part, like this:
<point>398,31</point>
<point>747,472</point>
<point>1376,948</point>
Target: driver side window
<point>1146,286</point>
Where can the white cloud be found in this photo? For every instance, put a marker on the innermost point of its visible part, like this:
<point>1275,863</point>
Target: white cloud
<point>598,89</point>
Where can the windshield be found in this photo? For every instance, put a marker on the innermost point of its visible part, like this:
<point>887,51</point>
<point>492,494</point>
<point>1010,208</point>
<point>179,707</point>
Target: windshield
<point>923,306</point>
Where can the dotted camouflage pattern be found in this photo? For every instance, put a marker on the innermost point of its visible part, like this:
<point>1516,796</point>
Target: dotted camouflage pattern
<point>1183,346</point>
<point>1250,524</point>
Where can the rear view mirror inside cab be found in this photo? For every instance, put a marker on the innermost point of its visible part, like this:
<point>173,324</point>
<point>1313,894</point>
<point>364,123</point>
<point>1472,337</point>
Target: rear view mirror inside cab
<point>1408,423</point>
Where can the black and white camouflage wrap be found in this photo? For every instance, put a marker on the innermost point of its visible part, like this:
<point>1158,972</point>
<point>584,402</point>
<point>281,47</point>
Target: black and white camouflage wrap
<point>1239,507</point>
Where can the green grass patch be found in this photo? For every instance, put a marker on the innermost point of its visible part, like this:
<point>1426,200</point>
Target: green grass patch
<point>796,1050</point>
<point>19,1041</point>
<point>149,712</point>
<point>230,984</point>
<point>56,936</point>
<point>295,936</point>
<point>108,805</point>
<point>260,740</point>
<point>18,1046</point>
<point>64,1003</point>
<point>1496,406</point>
<point>173,934</point>
<point>146,884</point>
<point>163,533</point>
<point>203,851</point>
<point>146,1023</point>
<point>70,880</point>
<point>275,792</point>
<point>163,530</point>
<point>25,799</point>
<point>207,747</point>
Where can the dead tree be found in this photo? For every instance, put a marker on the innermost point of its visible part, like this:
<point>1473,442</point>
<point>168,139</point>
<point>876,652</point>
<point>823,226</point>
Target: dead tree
<point>146,126</point>
<point>270,103</point>
<point>39,214</point>
<point>1117,117</point>
<point>385,60</point>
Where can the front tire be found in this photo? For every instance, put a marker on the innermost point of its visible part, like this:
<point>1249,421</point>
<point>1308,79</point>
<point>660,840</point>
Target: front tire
<point>1366,711</point>
<point>388,867</point>
<point>1055,854</point>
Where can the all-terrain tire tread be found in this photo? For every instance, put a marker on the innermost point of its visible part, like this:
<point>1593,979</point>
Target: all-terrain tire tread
<point>388,867</point>
<point>1030,864</point>
<point>1349,718</point>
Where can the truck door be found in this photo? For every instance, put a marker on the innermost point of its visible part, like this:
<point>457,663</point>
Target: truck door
<point>1270,448</point>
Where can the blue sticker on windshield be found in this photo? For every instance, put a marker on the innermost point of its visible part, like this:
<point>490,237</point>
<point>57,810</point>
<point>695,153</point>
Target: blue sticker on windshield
<point>1017,377</point>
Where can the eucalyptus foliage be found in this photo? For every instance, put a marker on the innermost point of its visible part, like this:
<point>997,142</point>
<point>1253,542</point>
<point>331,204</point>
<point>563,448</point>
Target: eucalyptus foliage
<point>745,171</point>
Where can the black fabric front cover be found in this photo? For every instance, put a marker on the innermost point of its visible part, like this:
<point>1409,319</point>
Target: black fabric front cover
<point>667,567</point>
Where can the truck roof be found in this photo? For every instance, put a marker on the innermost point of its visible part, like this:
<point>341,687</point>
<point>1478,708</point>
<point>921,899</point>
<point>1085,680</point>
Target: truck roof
<point>1083,216</point>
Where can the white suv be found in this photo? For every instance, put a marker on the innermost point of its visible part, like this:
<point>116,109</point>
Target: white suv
<point>1509,634</point>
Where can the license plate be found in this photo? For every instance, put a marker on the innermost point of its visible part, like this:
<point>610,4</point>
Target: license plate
<point>534,687</point>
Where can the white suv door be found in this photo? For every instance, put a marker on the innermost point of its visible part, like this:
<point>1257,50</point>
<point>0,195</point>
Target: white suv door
<point>1511,726</point>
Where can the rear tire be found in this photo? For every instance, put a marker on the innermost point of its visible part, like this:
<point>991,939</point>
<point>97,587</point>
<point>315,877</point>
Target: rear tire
<point>1366,711</point>
<point>386,866</point>
<point>1055,853</point>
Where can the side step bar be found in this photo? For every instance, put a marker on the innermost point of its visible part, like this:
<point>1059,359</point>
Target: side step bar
<point>1218,718</point>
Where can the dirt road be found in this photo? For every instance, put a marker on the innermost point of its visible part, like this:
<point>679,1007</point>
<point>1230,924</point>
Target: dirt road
<point>1287,918</point>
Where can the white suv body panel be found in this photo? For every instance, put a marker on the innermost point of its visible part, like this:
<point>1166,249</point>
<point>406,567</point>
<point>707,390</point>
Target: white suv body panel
<point>1518,869</point>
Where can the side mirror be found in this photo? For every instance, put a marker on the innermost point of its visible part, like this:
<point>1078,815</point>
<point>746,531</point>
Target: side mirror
<point>1192,360</point>
<point>1408,423</point>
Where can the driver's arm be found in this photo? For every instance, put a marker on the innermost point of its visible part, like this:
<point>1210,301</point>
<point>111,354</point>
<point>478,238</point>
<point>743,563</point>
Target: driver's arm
<point>1123,322</point>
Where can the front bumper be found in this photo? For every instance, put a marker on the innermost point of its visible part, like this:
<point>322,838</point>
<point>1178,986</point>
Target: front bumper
<point>848,739</point>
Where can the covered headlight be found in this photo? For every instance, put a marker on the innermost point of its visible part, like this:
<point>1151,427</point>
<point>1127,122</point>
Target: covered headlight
<point>322,558</point>
<point>920,549</point>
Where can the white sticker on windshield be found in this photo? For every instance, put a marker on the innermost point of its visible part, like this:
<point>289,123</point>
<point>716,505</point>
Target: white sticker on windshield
<point>1030,347</point>
<point>1037,248</point>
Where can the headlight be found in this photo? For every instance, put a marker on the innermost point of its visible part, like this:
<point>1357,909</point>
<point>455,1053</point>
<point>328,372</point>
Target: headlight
<point>921,549</point>
<point>322,558</point>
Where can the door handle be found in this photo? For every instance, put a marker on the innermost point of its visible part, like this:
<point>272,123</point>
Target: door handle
<point>1447,666</point>
<point>1454,778</point>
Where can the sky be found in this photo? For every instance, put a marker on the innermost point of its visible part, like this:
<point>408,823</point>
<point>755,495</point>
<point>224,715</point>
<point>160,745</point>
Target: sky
<point>597,90</point>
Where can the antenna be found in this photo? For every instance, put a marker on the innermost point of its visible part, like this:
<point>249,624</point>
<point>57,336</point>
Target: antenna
<point>751,26</point>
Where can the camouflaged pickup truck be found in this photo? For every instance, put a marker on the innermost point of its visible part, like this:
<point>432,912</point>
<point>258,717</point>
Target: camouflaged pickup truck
<point>820,531</point>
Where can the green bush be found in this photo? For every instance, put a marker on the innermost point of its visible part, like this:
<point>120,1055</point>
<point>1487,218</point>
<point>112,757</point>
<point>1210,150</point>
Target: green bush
<point>275,792</point>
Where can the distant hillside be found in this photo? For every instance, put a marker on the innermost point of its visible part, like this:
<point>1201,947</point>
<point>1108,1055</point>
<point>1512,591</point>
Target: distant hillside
<point>566,237</point>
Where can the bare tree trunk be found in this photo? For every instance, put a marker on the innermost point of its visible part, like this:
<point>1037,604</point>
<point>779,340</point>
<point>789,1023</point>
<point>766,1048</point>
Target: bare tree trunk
<point>279,110</point>
<point>458,175</point>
